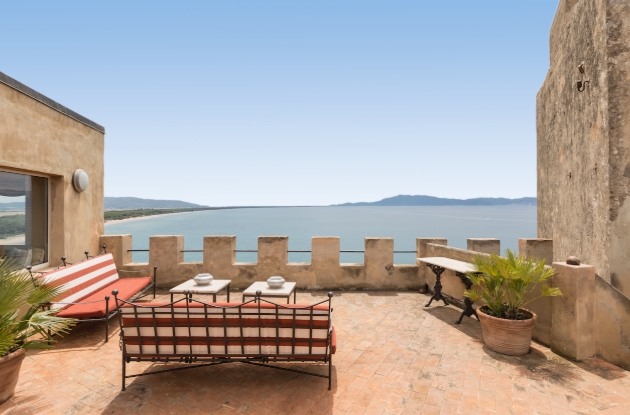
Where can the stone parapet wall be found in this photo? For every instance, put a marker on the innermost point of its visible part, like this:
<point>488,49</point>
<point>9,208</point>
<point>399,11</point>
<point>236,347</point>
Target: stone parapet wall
<point>378,272</point>
<point>591,318</point>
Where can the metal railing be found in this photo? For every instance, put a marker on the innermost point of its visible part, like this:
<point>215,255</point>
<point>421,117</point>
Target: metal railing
<point>343,251</point>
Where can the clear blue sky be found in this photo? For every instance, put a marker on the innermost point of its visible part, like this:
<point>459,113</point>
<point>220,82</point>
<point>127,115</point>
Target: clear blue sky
<point>295,102</point>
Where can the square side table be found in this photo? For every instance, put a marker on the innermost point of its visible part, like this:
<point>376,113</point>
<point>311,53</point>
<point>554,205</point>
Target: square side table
<point>283,292</point>
<point>213,288</point>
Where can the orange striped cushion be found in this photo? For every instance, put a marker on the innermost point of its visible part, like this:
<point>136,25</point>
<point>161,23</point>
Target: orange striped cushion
<point>82,279</point>
<point>166,330</point>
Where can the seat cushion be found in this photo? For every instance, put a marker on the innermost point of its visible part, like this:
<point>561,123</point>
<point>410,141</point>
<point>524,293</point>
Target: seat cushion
<point>127,288</point>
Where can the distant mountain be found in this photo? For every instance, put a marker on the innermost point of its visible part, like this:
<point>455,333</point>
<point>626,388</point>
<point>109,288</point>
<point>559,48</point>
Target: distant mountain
<point>12,206</point>
<point>406,200</point>
<point>118,203</point>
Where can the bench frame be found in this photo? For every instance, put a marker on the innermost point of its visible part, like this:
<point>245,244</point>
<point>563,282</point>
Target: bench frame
<point>108,314</point>
<point>212,359</point>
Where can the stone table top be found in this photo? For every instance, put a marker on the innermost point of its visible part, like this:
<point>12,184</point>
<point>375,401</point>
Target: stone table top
<point>448,263</point>
<point>214,287</point>
<point>267,291</point>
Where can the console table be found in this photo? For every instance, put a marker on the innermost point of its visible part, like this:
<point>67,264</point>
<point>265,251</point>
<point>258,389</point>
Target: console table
<point>440,264</point>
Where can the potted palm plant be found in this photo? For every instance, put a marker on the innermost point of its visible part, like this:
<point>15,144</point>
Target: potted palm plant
<point>503,284</point>
<point>23,324</point>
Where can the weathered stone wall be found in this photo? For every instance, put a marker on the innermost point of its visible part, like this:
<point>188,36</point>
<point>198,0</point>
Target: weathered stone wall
<point>573,138</point>
<point>37,139</point>
<point>584,157</point>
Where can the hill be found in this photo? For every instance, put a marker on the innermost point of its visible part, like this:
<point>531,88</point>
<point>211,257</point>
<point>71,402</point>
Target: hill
<point>421,200</point>
<point>120,203</point>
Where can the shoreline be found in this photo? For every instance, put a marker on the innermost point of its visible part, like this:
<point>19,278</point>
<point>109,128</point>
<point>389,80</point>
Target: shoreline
<point>145,217</point>
<point>14,240</point>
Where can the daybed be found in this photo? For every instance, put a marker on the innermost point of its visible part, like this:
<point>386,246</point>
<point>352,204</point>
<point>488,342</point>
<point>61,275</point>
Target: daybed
<point>88,286</point>
<point>255,332</point>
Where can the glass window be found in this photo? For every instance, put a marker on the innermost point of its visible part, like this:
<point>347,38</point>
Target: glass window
<point>23,218</point>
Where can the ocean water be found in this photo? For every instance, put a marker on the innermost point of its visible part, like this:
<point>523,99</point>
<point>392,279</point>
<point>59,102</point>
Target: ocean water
<point>351,224</point>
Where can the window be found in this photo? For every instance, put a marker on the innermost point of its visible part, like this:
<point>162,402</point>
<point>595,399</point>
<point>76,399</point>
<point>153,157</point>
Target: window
<point>23,218</point>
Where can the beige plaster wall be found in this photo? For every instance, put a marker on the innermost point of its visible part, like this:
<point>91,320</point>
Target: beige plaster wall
<point>35,138</point>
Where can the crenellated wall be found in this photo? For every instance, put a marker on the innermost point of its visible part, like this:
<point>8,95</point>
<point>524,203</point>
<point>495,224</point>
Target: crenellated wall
<point>581,323</point>
<point>378,272</point>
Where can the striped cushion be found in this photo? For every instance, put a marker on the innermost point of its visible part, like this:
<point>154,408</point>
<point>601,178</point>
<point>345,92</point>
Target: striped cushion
<point>96,305</point>
<point>165,330</point>
<point>82,279</point>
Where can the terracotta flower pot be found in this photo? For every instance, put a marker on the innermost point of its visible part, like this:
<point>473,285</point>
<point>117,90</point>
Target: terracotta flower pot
<point>511,337</point>
<point>9,373</point>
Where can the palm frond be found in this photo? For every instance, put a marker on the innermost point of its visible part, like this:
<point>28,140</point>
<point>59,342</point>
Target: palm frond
<point>505,282</point>
<point>20,315</point>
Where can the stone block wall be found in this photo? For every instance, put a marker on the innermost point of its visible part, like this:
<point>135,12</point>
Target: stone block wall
<point>378,272</point>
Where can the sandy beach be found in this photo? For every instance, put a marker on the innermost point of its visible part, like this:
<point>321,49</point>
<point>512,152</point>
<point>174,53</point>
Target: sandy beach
<point>13,240</point>
<point>10,213</point>
<point>145,217</point>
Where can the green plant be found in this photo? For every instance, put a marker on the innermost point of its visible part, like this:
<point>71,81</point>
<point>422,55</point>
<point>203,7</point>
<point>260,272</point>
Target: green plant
<point>502,283</point>
<point>23,324</point>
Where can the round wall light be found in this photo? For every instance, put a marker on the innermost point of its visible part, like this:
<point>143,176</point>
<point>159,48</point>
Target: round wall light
<point>80,180</point>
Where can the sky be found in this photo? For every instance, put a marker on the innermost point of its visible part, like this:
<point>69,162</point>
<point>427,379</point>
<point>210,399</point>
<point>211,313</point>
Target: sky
<point>233,103</point>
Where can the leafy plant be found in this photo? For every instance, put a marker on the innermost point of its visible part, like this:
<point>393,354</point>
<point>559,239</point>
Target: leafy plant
<point>23,324</point>
<point>503,283</point>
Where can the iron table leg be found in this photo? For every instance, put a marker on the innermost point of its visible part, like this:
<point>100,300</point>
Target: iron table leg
<point>469,311</point>
<point>437,289</point>
<point>228,293</point>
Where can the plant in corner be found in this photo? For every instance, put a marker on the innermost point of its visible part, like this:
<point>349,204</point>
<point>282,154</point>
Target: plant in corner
<point>503,284</point>
<point>23,324</point>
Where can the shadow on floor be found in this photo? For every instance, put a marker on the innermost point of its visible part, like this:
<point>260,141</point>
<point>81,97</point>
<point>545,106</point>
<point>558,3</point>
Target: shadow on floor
<point>602,369</point>
<point>449,315</point>
<point>29,405</point>
<point>236,386</point>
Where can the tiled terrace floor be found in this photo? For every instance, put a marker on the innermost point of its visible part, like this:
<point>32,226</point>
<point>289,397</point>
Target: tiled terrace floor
<point>393,357</point>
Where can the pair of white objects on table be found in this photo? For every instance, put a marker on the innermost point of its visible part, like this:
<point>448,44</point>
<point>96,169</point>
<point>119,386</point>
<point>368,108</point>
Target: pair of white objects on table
<point>206,284</point>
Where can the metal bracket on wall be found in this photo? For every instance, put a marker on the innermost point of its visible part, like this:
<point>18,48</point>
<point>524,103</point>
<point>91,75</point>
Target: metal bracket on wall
<point>581,83</point>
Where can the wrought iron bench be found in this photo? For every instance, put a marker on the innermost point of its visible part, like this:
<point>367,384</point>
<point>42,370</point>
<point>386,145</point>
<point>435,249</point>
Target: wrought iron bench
<point>256,332</point>
<point>88,285</point>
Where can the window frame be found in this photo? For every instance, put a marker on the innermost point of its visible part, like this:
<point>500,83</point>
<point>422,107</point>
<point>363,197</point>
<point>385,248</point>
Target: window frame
<point>48,210</point>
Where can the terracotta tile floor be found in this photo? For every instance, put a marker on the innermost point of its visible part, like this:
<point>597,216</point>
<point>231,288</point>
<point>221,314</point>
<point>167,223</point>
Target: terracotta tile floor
<point>393,357</point>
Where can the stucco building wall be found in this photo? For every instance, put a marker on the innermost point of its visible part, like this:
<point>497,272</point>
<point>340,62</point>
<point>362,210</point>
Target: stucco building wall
<point>39,136</point>
<point>584,158</point>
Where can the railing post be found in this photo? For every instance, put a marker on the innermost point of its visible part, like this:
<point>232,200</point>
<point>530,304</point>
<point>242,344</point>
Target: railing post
<point>325,260</point>
<point>539,249</point>
<point>219,254</point>
<point>273,255</point>
<point>484,245</point>
<point>573,318</point>
<point>165,252</point>
<point>118,246</point>
<point>379,262</point>
<point>424,273</point>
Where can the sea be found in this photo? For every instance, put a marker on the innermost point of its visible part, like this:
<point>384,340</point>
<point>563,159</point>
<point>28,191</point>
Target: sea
<point>351,223</point>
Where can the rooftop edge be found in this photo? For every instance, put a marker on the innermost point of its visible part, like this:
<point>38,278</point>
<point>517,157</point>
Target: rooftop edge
<point>18,86</point>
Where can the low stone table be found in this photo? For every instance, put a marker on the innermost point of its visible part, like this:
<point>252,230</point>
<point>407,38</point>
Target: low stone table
<point>213,288</point>
<point>283,292</point>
